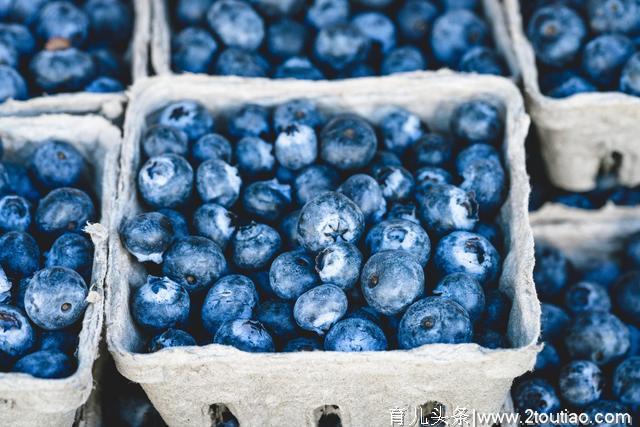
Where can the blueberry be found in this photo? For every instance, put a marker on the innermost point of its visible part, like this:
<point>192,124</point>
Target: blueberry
<point>191,117</point>
<point>16,334</point>
<point>461,4</point>
<point>632,250</point>
<point>395,182</point>
<point>45,364</point>
<point>57,164</point>
<point>403,59</point>
<point>604,272</point>
<point>585,296</point>
<point>606,407</point>
<point>580,383</point>
<point>159,139</point>
<point>554,321</point>
<point>570,84</point>
<point>8,54</point>
<point>604,57</point>
<point>429,175</point>
<point>19,254</point>
<point>383,158</point>
<point>66,70</point>
<point>551,271</point>
<point>62,20</point>
<point>5,287</point>
<point>488,338</point>
<point>415,19</point>
<point>266,200</point>
<point>626,381</point>
<point>289,229</point>
<point>108,63</point>
<point>194,262</point>
<point>486,180</point>
<point>360,69</point>
<point>434,320</point>
<point>147,236</point>
<point>296,146</point>
<point>73,251</point>
<point>477,121</point>
<point>400,129</point>
<point>249,120</point>
<point>292,274</point>
<point>548,359</point>
<point>211,146</point>
<point>354,334</point>
<point>237,62</point>
<point>104,85</point>
<point>64,209</point>
<point>431,149</point>
<point>15,214</point>
<point>556,33</point>
<point>465,290</point>
<point>63,340</point>
<point>165,181</point>
<point>192,12</point>
<point>171,338</point>
<point>279,7</point>
<point>55,298</point>
<point>218,182</point>
<point>236,24</point>
<point>328,218</point>
<point>378,28</point>
<point>313,181</point>
<point>232,297</point>
<point>245,335</point>
<point>319,308</point>
<point>254,246</point>
<point>482,60</point>
<point>444,208</point>
<point>19,37</point>
<point>399,234</point>
<point>111,21</point>
<point>496,310</point>
<point>340,46</point>
<point>614,16</point>
<point>323,13</point>
<point>286,38</point>
<point>476,152</point>
<point>178,223</point>
<point>402,211</point>
<point>193,50</point>
<point>298,68</point>
<point>255,156</point>
<point>454,33</point>
<point>626,294</point>
<point>491,232</point>
<point>597,336</point>
<point>537,395</point>
<point>297,112</point>
<point>630,78</point>
<point>302,344</point>
<point>214,222</point>
<point>339,264</point>
<point>12,85</point>
<point>277,317</point>
<point>465,252</point>
<point>575,200</point>
<point>365,192</point>
<point>160,303</point>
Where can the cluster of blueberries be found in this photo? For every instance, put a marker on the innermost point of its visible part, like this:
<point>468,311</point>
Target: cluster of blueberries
<point>58,46</point>
<point>291,230</point>
<point>585,46</point>
<point>328,39</point>
<point>590,320</point>
<point>43,294</point>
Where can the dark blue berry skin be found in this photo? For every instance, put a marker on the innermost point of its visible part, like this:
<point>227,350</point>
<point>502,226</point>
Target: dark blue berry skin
<point>491,232</point>
<point>67,70</point>
<point>63,340</point>
<point>250,120</point>
<point>19,37</point>
<point>111,21</point>
<point>104,85</point>
<point>378,28</point>
<point>575,200</point>
<point>178,223</point>
<point>568,84</point>
<point>313,181</point>
<point>171,338</point>
<point>330,217</point>
<point>551,271</point>
<point>324,13</point>
<point>434,320</point>
<point>12,84</point>
<point>19,254</point>
<point>535,394</point>
<point>277,317</point>
<point>339,264</point>
<point>147,236</point>
<point>391,281</point>
<point>237,62</point>
<point>266,200</point>
<point>365,192</point>
<point>548,359</point>
<point>347,142</point>
<point>415,19</point>
<point>597,336</point>
<point>302,344</point>
<point>482,60</point>
<point>289,229</point>
<point>477,121</point>
<point>211,146</point>
<point>192,12</point>
<point>431,149</point>
<point>45,364</point>
<point>17,336</point>
<point>232,297</point>
<point>236,24</point>
<point>276,8</point>
<point>429,175</point>
<point>626,295</point>
<point>580,383</point>
<point>214,222</point>
<point>194,262</point>
<point>400,234</point>
<point>160,304</point>
<point>486,180</point>
<point>395,182</point>
<point>73,251</point>
<point>355,334</point>
<point>556,33</point>
<point>296,147</point>
<point>444,208</point>
<point>604,273</point>
<point>604,57</point>
<point>632,251</point>
<point>160,139</point>
<point>474,153</point>
<point>57,164</point>
<point>554,321</point>
<point>402,60</point>
<point>383,158</point>
<point>25,11</point>
<point>406,212</point>
<point>255,157</point>
<point>165,181</point>
<point>218,182</point>
<point>245,335</point>
<point>62,20</point>
<point>64,209</point>
<point>318,309</point>
<point>8,54</point>
<point>454,33</point>
<point>340,46</point>
<point>15,214</point>
<point>626,381</point>
<point>606,407</point>
<point>55,298</point>
<point>291,274</point>
<point>299,68</point>
<point>254,246</point>
<point>465,252</point>
<point>286,38</point>
<point>630,78</point>
<point>193,50</point>
<point>634,340</point>
<point>401,129</point>
<point>298,112</point>
<point>488,338</point>
<point>107,63</point>
<point>461,4</point>
<point>464,290</point>
<point>585,297</point>
<point>613,16</point>
<point>496,310</point>
<point>191,117</point>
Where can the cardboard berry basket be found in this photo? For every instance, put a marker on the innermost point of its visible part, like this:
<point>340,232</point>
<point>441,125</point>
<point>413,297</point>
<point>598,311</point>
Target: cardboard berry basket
<point>557,213</point>
<point>161,33</point>
<point>583,134</point>
<point>25,400</point>
<point>188,385</point>
<point>109,105</point>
